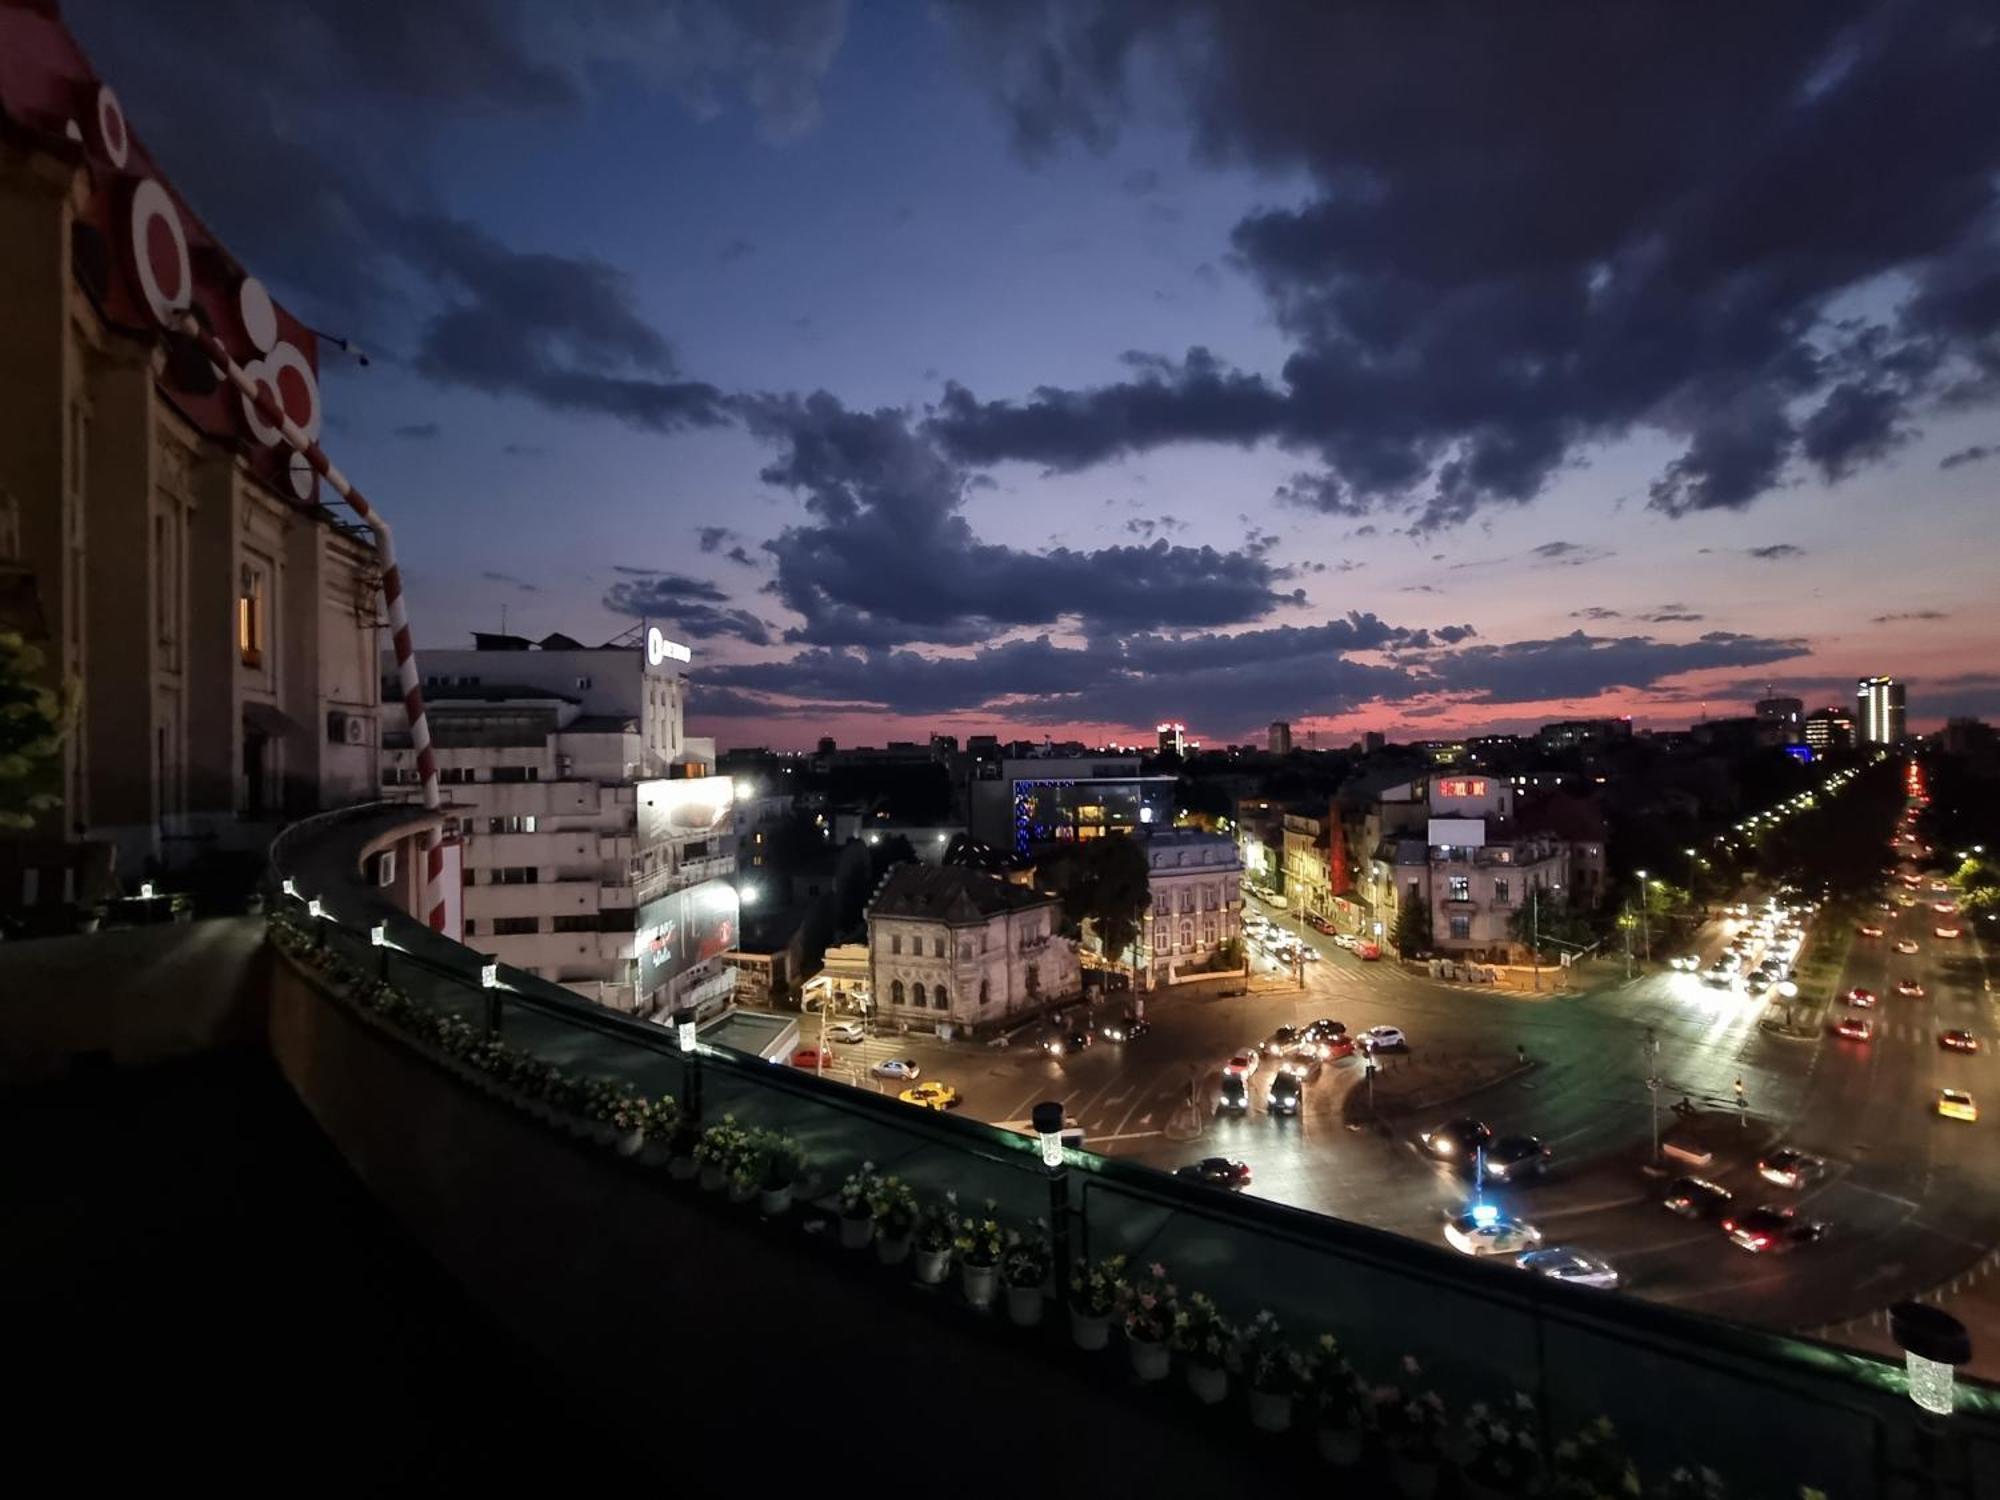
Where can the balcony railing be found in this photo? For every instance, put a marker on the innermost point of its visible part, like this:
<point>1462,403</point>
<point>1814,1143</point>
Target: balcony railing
<point>1772,1411</point>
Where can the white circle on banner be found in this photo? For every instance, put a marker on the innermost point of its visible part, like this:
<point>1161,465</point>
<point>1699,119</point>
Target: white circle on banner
<point>112,135</point>
<point>263,431</point>
<point>302,475</point>
<point>160,252</point>
<point>259,314</point>
<point>297,388</point>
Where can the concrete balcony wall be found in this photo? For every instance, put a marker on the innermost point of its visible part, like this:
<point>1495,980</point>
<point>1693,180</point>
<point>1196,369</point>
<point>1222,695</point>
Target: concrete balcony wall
<point>544,898</point>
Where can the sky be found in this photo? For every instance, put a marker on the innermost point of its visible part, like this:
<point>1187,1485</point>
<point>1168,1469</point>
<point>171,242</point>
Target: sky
<point>1063,366</point>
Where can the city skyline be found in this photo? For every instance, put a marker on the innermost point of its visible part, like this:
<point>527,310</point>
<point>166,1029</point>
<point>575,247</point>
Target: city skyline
<point>1116,392</point>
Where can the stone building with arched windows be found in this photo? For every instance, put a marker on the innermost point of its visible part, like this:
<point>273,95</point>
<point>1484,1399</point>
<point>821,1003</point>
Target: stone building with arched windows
<point>953,947</point>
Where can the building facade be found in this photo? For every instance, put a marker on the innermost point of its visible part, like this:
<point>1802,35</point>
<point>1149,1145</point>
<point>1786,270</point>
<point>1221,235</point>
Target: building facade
<point>1787,713</point>
<point>217,623</point>
<point>1879,711</point>
<point>954,950</point>
<point>1830,728</point>
<point>1028,803</point>
<point>597,851</point>
<point>1196,883</point>
<point>1281,737</point>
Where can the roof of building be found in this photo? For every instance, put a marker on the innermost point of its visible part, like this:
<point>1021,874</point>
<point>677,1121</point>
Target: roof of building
<point>602,724</point>
<point>1566,815</point>
<point>949,893</point>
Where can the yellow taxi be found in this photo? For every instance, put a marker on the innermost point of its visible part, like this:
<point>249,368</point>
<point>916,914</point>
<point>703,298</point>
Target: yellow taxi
<point>931,1096</point>
<point>1956,1104</point>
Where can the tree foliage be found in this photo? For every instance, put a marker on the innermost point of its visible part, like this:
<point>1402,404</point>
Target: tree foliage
<point>33,721</point>
<point>1104,882</point>
<point>1413,927</point>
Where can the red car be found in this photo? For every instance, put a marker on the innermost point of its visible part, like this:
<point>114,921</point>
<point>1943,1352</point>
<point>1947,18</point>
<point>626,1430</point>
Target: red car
<point>1958,1041</point>
<point>1859,996</point>
<point>1370,951</point>
<point>812,1059</point>
<point>1855,1028</point>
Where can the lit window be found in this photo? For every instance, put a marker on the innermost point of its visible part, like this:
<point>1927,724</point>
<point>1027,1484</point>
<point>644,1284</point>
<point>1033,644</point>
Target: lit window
<point>250,609</point>
<point>1461,888</point>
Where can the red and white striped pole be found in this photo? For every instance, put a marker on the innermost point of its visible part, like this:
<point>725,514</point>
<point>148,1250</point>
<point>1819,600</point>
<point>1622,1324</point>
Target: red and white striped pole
<point>268,408</point>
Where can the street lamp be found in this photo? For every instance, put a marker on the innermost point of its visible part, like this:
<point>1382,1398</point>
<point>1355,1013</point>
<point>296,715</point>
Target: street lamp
<point>747,894</point>
<point>1047,1118</point>
<point>289,886</point>
<point>684,1030</point>
<point>1645,918</point>
<point>314,909</point>
<point>1932,1341</point>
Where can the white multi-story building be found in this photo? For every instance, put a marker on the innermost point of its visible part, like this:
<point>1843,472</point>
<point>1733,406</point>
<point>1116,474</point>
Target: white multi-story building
<point>1196,881</point>
<point>1880,711</point>
<point>598,850</point>
<point>948,946</point>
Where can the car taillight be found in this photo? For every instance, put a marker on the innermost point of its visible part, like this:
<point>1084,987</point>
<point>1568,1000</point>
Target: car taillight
<point>1729,1226</point>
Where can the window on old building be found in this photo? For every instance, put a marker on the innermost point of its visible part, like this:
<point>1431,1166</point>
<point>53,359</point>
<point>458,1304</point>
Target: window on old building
<point>1503,893</point>
<point>941,998</point>
<point>250,612</point>
<point>937,947</point>
<point>1461,928</point>
<point>896,993</point>
<point>1461,888</point>
<point>896,947</point>
<point>985,992</point>
<point>917,995</point>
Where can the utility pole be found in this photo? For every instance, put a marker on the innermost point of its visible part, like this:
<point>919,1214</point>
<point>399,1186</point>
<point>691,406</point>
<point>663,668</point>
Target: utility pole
<point>1625,933</point>
<point>1535,932</point>
<point>1653,1084</point>
<point>1645,919</point>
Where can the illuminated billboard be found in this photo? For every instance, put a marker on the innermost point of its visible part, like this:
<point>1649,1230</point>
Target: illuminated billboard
<point>684,928</point>
<point>695,807</point>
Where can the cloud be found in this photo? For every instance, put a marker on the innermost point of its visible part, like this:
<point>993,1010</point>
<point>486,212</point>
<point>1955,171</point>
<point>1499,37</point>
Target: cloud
<point>520,450</point>
<point>421,431</point>
<point>522,584</point>
<point>1594,612</point>
<point>1147,527</point>
<point>737,249</point>
<point>1569,554</point>
<point>1977,453</point>
<point>1776,552</point>
<point>1579,665</point>
<point>711,538</point>
<point>1465,325</point>
<point>698,609</point>
<point>886,556</point>
<point>1909,614</point>
<point>1672,617</point>
<point>1140,183</point>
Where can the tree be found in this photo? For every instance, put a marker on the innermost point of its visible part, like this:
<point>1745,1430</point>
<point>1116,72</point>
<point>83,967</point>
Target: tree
<point>1553,921</point>
<point>1104,882</point>
<point>33,721</point>
<point>1413,927</point>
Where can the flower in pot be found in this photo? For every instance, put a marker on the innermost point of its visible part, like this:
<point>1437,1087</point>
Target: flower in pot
<point>979,1241</point>
<point>1204,1338</point>
<point>1503,1451</point>
<point>1338,1402</point>
<point>1412,1421</point>
<point>644,1126</point>
<point>1025,1269</point>
<point>893,1208</point>
<point>936,1232</point>
<point>717,1152</point>
<point>781,1161</point>
<point>1273,1371</point>
<point>1146,1305</point>
<point>1698,1483</point>
<point>857,1224</point>
<point>1593,1465</point>
<point>1093,1300</point>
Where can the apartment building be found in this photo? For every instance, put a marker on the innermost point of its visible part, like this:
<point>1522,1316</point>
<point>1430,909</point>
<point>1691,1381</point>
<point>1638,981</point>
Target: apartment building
<point>597,850</point>
<point>1196,882</point>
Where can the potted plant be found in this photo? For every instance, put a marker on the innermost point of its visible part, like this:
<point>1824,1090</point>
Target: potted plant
<point>936,1232</point>
<point>893,1207</point>
<point>716,1154</point>
<point>1339,1411</point>
<point>181,907</point>
<point>1503,1454</point>
<point>857,1193</point>
<point>658,1121</point>
<point>1699,1483</point>
<point>1412,1424</point>
<point>780,1162</point>
<point>1093,1298</point>
<point>1147,1305</point>
<point>1204,1339</point>
<point>1025,1269</point>
<point>1594,1466</point>
<point>979,1241</point>
<point>1271,1368</point>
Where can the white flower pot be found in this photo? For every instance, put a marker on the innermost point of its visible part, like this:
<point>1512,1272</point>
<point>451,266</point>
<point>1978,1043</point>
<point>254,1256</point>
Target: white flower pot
<point>1340,1446</point>
<point>1270,1411</point>
<point>855,1233</point>
<point>712,1178</point>
<point>681,1168</point>
<point>1089,1330</point>
<point>929,1266</point>
<point>1210,1383</point>
<point>1024,1306</point>
<point>1414,1478</point>
<point>741,1192</point>
<point>1151,1358</point>
<point>774,1202</point>
<point>979,1283</point>
<point>892,1249</point>
<point>629,1142</point>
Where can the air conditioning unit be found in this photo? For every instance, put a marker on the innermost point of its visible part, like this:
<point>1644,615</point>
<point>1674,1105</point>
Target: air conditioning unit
<point>385,867</point>
<point>344,728</point>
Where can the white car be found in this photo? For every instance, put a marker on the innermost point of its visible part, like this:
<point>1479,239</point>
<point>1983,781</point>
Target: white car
<point>1563,1264</point>
<point>1384,1039</point>
<point>1495,1234</point>
<point>847,1031</point>
<point>1311,954</point>
<point>1688,962</point>
<point>904,1068</point>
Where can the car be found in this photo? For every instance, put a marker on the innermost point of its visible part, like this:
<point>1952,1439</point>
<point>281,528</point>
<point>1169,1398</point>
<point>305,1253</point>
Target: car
<point>1286,1096</point>
<point>1325,1029</point>
<point>1697,1198</point>
<point>1859,996</point>
<point>1516,1158</point>
<point>1077,1040</point>
<point>1944,908</point>
<point>1946,931</point>
<point>1319,923</point>
<point>1758,982</point>
<point>813,1058</point>
<point>1939,887</point>
<point>1216,1171</point>
<point>1906,945</point>
<point>1485,1232</point>
<point>1369,952</point>
<point>1346,940</point>
<point>1304,1063</point>
<point>1772,1231</point>
<point>1242,1065</point>
<point>1385,1039</point>
<point>1560,1263</point>
<point>1855,1028</point>
<point>904,1068</point>
<point>1791,1168</point>
<point>847,1031</point>
<point>1885,906</point>
<point>1284,1039</point>
<point>1309,953</point>
<point>1909,989</point>
<point>931,1096</point>
<point>1127,1029</point>
<point>1233,1095</point>
<point>1456,1140</point>
<point>1868,930</point>
<point>1958,1041</point>
<point>1956,1104</point>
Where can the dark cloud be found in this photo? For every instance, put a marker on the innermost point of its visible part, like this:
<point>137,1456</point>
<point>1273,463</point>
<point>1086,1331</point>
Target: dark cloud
<point>520,583</point>
<point>1977,453</point>
<point>654,594</point>
<point>420,431</point>
<point>711,538</point>
<point>1672,617</point>
<point>1147,527</point>
<point>1451,635</point>
<point>1909,614</point>
<point>1776,552</point>
<point>1464,323</point>
<point>1579,665</point>
<point>738,555</point>
<point>1569,554</point>
<point>886,556</point>
<point>1140,183</point>
<point>1594,612</point>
